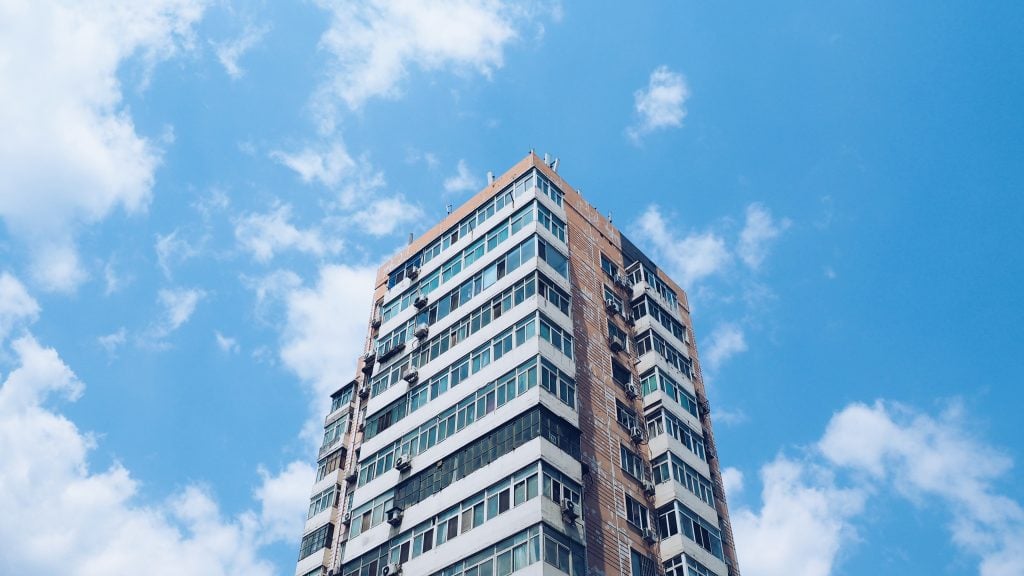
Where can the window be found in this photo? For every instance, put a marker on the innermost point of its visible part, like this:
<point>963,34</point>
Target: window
<point>636,514</point>
<point>620,374</point>
<point>683,565</point>
<point>641,564</point>
<point>617,334</point>
<point>322,501</point>
<point>676,517</point>
<point>630,462</point>
<point>316,540</point>
<point>611,297</point>
<point>609,267</point>
<point>329,464</point>
<point>625,415</point>
<point>342,397</point>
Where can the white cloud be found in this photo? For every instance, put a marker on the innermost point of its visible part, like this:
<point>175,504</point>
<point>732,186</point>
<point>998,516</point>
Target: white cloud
<point>271,288</point>
<point>807,516</point>
<point>264,234</point>
<point>284,500</point>
<point>17,306</point>
<point>462,180</point>
<point>60,516</point>
<point>661,105</point>
<point>327,165</point>
<point>726,341</point>
<point>384,216</point>
<point>732,480</point>
<point>113,341</point>
<point>757,234</point>
<point>373,44</point>
<point>226,344</point>
<point>924,458</point>
<point>229,53</point>
<point>689,259</point>
<point>326,332</point>
<point>70,154</point>
<point>803,522</point>
<point>172,250</point>
<point>178,306</point>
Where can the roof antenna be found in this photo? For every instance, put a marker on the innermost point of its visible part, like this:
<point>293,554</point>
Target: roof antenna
<point>609,217</point>
<point>490,178</point>
<point>448,208</point>
<point>410,237</point>
<point>554,165</point>
<point>547,158</point>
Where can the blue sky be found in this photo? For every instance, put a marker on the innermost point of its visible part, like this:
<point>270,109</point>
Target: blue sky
<point>194,196</point>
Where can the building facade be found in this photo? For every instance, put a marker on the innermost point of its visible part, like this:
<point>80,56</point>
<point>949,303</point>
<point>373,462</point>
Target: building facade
<point>529,401</point>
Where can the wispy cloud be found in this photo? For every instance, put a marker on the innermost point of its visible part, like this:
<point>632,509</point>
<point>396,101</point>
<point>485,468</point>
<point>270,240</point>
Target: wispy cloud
<point>690,258</point>
<point>385,216</point>
<point>462,181</point>
<point>373,44</point>
<point>17,306</point>
<point>759,230</point>
<point>230,52</point>
<point>661,105</point>
<point>725,341</point>
<point>226,344</point>
<point>263,235</point>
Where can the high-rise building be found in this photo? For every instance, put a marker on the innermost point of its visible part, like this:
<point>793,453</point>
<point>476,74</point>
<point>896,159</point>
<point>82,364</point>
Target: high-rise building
<point>529,401</point>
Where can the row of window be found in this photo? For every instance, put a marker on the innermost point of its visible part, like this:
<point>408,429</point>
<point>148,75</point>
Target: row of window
<point>676,517</point>
<point>441,306</point>
<point>519,551</point>
<point>324,500</point>
<point>334,432</point>
<point>662,421</point>
<point>474,286</point>
<point>651,341</point>
<point>537,422</point>
<point>490,242</point>
<point>463,228</point>
<point>316,540</point>
<point>683,565</point>
<point>668,466</point>
<point>514,382</point>
<point>514,490</point>
<point>656,378</point>
<point>639,273</point>
<point>476,406</point>
<point>342,397</point>
<point>647,306</point>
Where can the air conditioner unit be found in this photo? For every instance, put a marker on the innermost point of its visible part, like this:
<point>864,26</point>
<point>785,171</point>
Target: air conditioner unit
<point>422,330</point>
<point>351,477</point>
<point>648,485</point>
<point>569,509</point>
<point>632,391</point>
<point>622,280</point>
<point>420,301</point>
<point>403,462</point>
<point>616,344</point>
<point>410,375</point>
<point>394,516</point>
<point>346,518</point>
<point>364,390</point>
<point>376,321</point>
<point>392,569</point>
<point>628,318</point>
<point>637,434</point>
<point>650,536</point>
<point>412,272</point>
<point>612,306</point>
